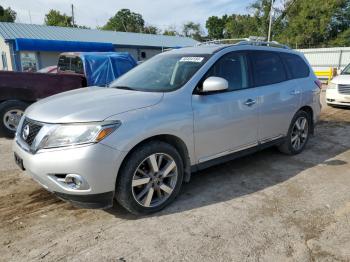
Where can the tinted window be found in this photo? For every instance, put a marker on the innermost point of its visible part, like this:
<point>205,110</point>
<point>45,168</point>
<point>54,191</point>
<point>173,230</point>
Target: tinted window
<point>268,68</point>
<point>234,68</point>
<point>296,65</point>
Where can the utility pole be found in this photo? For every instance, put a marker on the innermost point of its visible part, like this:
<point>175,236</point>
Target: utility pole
<point>73,16</point>
<point>270,24</point>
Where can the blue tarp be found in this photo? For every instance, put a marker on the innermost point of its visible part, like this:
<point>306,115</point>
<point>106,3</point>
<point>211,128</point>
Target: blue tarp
<point>102,68</point>
<point>24,44</point>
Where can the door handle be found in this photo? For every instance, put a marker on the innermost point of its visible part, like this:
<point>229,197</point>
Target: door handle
<point>295,92</point>
<point>250,102</point>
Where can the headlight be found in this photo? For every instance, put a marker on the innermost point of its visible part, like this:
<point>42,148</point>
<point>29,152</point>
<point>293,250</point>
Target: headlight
<point>77,134</point>
<point>332,85</point>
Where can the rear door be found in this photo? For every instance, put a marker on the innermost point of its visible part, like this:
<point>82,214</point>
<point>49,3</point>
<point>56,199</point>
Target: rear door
<point>279,95</point>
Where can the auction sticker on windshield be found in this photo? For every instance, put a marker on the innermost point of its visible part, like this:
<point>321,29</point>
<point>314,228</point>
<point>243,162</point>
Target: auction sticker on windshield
<point>193,59</point>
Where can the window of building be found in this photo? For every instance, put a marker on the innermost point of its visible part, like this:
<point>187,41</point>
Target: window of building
<point>268,68</point>
<point>4,61</point>
<point>143,55</point>
<point>29,62</point>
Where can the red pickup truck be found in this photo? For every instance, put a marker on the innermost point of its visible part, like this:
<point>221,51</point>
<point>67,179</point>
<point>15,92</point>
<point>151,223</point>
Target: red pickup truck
<point>75,70</point>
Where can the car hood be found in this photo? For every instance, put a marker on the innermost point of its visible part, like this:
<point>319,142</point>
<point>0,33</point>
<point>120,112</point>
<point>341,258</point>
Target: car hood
<point>341,80</point>
<point>90,104</point>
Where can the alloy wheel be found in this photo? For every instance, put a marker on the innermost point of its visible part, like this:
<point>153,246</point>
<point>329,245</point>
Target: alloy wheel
<point>300,133</point>
<point>154,180</point>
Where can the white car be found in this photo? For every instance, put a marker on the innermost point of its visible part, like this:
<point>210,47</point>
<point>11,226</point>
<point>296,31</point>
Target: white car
<point>338,91</point>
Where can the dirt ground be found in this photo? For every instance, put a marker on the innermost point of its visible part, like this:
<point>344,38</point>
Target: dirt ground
<point>264,207</point>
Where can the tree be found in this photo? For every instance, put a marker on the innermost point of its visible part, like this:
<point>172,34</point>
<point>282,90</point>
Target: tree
<point>313,23</point>
<point>7,15</point>
<point>193,30</point>
<point>150,29</point>
<point>241,26</point>
<point>55,18</point>
<point>342,40</point>
<point>216,26</point>
<point>125,21</point>
<point>171,31</point>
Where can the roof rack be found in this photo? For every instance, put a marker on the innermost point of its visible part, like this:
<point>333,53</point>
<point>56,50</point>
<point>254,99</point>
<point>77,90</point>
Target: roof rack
<point>264,43</point>
<point>252,40</point>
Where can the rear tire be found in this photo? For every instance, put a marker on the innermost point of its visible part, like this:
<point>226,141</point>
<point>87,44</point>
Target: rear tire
<point>140,188</point>
<point>298,134</point>
<point>10,114</point>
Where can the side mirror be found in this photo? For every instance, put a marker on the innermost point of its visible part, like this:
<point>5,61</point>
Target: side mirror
<point>214,83</point>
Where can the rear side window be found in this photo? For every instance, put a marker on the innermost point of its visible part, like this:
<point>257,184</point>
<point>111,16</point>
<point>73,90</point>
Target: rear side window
<point>234,68</point>
<point>296,65</point>
<point>268,68</point>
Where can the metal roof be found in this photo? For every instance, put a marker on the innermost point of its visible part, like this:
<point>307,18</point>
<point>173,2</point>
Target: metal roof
<point>11,31</point>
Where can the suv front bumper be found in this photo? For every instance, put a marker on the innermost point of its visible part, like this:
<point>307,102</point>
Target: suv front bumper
<point>97,164</point>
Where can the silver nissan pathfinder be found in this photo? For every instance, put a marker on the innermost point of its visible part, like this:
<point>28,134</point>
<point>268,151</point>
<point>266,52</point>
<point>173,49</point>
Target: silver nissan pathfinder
<point>184,110</point>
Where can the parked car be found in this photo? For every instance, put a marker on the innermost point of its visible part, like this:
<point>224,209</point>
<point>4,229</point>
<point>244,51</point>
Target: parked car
<point>338,90</point>
<point>181,111</point>
<point>75,70</point>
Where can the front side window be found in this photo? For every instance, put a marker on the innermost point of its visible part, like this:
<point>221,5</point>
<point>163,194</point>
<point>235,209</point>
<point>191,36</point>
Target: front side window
<point>296,65</point>
<point>234,68</point>
<point>162,73</point>
<point>268,68</point>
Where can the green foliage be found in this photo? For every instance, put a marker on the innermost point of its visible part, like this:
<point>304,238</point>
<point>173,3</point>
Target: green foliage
<point>299,23</point>
<point>171,31</point>
<point>313,23</point>
<point>55,18</point>
<point>125,21</point>
<point>216,26</point>
<point>194,30</point>
<point>151,30</point>
<point>7,15</point>
<point>343,39</point>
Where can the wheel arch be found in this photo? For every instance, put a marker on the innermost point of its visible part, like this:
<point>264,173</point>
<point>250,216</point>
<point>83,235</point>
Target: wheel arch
<point>173,140</point>
<point>310,111</point>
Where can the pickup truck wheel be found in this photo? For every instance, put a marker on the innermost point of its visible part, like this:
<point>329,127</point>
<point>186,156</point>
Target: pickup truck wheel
<point>150,178</point>
<point>10,114</point>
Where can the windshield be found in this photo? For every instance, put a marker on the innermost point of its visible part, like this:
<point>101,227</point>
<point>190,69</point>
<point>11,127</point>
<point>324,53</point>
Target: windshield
<point>162,73</point>
<point>346,71</point>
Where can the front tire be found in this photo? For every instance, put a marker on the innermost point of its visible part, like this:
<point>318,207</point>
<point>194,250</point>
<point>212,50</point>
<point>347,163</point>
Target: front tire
<point>150,178</point>
<point>298,134</point>
<point>10,113</point>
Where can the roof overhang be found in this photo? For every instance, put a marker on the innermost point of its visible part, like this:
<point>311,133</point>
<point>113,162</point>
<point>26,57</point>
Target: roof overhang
<point>24,44</point>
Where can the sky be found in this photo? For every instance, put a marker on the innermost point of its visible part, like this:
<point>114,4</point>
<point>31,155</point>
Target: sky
<point>161,13</point>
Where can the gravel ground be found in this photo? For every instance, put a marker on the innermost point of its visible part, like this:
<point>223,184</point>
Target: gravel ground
<point>264,207</point>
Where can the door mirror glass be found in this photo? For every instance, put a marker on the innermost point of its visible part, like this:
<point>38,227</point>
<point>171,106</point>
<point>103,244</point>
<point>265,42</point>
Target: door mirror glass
<point>214,84</point>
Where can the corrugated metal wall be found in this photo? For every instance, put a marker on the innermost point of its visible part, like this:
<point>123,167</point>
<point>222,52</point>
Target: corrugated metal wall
<point>324,58</point>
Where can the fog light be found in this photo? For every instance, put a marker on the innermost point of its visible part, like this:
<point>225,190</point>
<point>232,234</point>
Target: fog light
<point>73,181</point>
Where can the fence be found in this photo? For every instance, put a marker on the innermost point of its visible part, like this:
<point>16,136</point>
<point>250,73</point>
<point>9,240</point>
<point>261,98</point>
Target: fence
<point>322,59</point>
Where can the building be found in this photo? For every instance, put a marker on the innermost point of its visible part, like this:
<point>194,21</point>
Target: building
<point>28,47</point>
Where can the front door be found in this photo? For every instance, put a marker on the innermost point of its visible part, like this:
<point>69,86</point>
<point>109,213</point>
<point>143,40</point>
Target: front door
<point>227,121</point>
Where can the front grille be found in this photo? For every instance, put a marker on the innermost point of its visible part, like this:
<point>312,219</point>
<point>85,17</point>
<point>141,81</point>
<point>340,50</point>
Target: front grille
<point>344,89</point>
<point>34,129</point>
